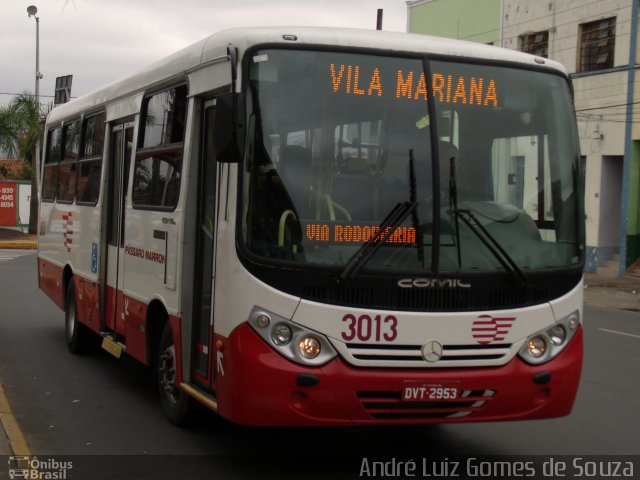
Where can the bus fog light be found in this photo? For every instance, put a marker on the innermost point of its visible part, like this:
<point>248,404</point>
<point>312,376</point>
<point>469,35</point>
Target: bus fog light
<point>309,347</point>
<point>537,347</point>
<point>263,321</point>
<point>557,335</point>
<point>281,334</point>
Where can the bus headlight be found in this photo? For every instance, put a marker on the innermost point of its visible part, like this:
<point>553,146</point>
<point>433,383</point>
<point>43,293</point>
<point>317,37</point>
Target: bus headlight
<point>293,341</point>
<point>310,347</point>
<point>546,344</point>
<point>537,347</point>
<point>557,335</point>
<point>281,334</point>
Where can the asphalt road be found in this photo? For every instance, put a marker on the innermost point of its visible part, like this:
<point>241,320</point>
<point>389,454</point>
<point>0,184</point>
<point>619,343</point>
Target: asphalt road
<point>97,405</point>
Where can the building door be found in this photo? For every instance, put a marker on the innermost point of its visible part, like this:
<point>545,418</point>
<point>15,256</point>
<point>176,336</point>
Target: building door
<point>610,208</point>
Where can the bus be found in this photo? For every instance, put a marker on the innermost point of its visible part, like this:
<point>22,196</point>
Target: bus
<point>313,226</point>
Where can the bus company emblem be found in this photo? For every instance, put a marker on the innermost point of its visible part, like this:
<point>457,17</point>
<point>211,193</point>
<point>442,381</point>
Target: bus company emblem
<point>432,351</point>
<point>487,329</point>
<point>432,283</point>
<point>68,232</point>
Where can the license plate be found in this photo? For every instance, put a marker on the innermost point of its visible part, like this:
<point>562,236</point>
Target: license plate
<point>420,391</point>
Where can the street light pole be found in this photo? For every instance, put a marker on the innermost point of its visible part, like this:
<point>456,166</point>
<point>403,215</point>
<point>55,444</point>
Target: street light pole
<point>38,74</point>
<point>32,10</point>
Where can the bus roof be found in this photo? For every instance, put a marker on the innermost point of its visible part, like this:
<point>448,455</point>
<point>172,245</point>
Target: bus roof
<point>214,47</point>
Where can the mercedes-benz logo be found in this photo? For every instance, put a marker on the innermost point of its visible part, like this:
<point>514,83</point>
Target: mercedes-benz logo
<point>432,351</point>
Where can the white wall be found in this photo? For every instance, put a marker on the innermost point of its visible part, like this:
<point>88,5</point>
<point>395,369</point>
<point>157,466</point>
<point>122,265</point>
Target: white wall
<point>562,18</point>
<point>601,130</point>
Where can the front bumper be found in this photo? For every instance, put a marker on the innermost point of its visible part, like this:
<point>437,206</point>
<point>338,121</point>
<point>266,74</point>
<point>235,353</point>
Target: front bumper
<point>260,387</point>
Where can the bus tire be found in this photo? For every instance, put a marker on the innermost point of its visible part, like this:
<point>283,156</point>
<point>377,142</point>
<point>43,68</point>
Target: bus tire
<point>176,404</point>
<point>80,339</point>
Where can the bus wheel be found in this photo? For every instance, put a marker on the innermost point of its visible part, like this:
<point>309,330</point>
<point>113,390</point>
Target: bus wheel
<point>177,405</point>
<point>80,339</point>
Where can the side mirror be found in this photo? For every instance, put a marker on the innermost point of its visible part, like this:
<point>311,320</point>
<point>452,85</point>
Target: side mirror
<point>228,125</point>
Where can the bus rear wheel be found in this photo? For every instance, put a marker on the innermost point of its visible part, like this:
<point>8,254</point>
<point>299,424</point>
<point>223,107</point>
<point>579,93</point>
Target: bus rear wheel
<point>80,339</point>
<point>176,404</point>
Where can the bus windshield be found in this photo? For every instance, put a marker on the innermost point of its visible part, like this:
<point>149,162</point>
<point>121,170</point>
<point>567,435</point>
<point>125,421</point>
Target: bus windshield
<point>438,166</point>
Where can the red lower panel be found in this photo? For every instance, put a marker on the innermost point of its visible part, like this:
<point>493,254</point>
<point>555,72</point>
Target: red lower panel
<point>135,314</point>
<point>50,281</point>
<point>91,305</point>
<point>81,310</point>
<point>124,315</point>
<point>259,387</point>
<point>115,317</point>
<point>128,317</point>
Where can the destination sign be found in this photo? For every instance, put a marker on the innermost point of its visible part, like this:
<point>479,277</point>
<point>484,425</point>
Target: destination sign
<point>455,89</point>
<point>350,233</point>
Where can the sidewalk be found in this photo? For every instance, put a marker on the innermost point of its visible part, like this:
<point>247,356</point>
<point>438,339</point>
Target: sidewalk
<point>612,292</point>
<point>15,239</point>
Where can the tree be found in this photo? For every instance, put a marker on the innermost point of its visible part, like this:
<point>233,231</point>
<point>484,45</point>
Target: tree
<point>20,134</point>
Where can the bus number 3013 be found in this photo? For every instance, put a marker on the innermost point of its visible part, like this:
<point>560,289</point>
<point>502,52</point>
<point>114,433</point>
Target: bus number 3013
<point>366,328</point>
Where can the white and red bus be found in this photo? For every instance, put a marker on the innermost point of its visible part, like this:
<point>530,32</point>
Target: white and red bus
<point>304,226</point>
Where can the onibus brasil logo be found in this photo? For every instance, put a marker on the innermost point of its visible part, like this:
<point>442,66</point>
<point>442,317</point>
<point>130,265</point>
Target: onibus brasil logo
<point>32,468</point>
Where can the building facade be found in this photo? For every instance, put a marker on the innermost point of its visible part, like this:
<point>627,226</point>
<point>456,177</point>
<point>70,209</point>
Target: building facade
<point>464,19</point>
<point>597,43</point>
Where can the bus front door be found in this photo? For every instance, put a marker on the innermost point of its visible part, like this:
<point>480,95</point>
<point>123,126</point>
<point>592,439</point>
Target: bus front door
<point>117,180</point>
<point>203,368</point>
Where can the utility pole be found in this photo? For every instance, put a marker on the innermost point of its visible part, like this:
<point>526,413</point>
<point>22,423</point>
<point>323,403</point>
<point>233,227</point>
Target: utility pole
<point>32,10</point>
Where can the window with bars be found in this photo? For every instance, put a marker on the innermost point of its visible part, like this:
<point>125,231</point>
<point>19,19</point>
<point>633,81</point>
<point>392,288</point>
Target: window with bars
<point>535,43</point>
<point>597,42</point>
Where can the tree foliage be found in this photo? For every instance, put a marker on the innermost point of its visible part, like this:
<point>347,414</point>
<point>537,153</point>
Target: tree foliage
<point>15,170</point>
<point>21,127</point>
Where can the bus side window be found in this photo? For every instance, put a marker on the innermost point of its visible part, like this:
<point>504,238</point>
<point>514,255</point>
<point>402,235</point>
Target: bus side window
<point>90,164</point>
<point>51,159</point>
<point>68,167</point>
<point>158,164</point>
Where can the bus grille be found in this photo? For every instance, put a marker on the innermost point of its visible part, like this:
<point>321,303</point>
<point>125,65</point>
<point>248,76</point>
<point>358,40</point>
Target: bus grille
<point>425,299</point>
<point>389,406</point>
<point>408,356</point>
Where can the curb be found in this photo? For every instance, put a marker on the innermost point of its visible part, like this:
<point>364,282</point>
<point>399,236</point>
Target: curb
<point>9,426</point>
<point>18,244</point>
<point>613,283</point>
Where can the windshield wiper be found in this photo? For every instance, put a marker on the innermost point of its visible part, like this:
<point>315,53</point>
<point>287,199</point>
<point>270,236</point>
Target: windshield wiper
<point>392,221</point>
<point>467,216</point>
<point>453,204</point>
<point>413,198</point>
<point>494,247</point>
<point>397,215</point>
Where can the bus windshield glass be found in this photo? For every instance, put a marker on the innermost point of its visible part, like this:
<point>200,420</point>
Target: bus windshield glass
<point>341,153</point>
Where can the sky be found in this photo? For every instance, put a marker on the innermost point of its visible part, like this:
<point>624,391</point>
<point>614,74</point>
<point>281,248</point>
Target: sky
<point>99,41</point>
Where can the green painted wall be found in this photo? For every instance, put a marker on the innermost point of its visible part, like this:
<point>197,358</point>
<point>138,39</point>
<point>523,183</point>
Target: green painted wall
<point>633,225</point>
<point>473,20</point>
